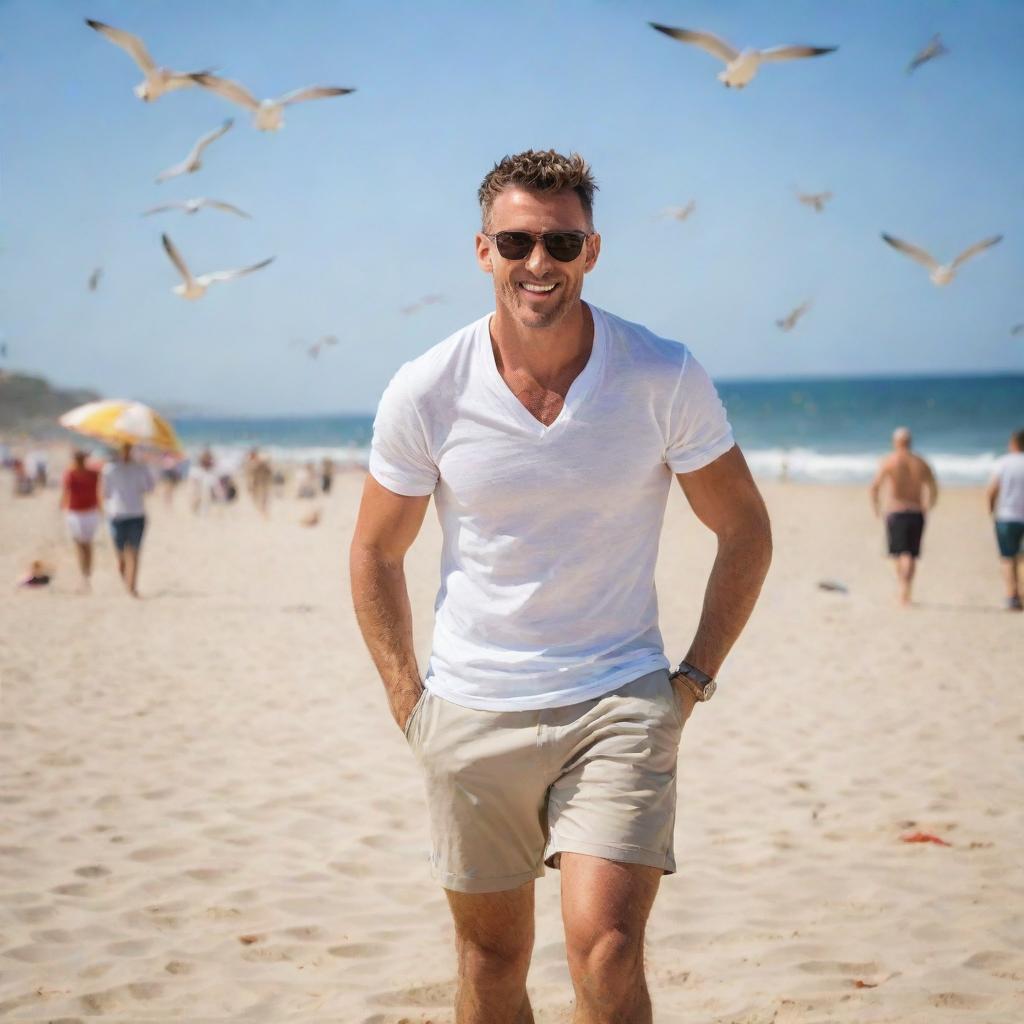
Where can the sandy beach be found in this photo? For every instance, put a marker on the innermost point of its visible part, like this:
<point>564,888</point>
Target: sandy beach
<point>209,813</point>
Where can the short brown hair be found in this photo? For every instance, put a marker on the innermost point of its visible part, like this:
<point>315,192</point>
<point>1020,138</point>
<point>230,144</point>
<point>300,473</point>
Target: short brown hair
<point>539,171</point>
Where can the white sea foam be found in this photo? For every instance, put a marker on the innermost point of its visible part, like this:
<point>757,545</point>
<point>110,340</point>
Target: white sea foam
<point>806,464</point>
<point>795,464</point>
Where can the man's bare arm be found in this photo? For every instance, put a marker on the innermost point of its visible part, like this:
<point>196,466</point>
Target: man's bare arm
<point>933,487</point>
<point>992,495</point>
<point>726,500</point>
<point>876,485</point>
<point>387,525</point>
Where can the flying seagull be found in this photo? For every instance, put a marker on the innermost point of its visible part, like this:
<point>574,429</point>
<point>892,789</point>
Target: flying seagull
<point>195,287</point>
<point>193,161</point>
<point>427,300</point>
<point>740,66</point>
<point>789,322</point>
<point>930,52</point>
<point>158,80</point>
<point>94,279</point>
<point>195,205</point>
<point>679,213</point>
<point>268,114</point>
<point>1017,329</point>
<point>941,274</point>
<point>815,199</point>
<point>314,350</point>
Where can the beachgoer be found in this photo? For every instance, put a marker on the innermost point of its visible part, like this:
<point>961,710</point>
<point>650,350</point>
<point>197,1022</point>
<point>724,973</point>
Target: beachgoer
<point>125,484</point>
<point>911,490</point>
<point>307,482</point>
<point>548,722</point>
<point>326,475</point>
<point>204,482</point>
<point>80,499</point>
<point>259,475</point>
<point>170,476</point>
<point>1006,505</point>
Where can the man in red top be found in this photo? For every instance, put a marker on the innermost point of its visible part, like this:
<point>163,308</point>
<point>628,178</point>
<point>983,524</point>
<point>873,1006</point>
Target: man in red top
<point>80,498</point>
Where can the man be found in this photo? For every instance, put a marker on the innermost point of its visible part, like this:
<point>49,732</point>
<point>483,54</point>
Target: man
<point>547,725</point>
<point>911,489</point>
<point>125,484</point>
<point>1006,505</point>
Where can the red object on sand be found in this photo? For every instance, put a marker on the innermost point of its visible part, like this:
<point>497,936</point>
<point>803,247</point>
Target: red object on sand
<point>924,837</point>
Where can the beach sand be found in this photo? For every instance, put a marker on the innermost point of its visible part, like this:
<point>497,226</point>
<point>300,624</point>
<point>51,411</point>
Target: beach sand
<point>209,813</point>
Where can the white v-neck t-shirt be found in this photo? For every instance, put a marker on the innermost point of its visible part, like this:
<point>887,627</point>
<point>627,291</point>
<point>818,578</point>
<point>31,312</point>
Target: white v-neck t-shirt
<point>550,533</point>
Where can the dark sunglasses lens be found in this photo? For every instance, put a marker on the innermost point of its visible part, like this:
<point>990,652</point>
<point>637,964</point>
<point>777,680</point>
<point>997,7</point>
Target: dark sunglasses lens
<point>514,245</point>
<point>564,246</point>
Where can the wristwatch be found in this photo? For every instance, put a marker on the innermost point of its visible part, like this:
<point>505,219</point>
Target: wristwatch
<point>701,685</point>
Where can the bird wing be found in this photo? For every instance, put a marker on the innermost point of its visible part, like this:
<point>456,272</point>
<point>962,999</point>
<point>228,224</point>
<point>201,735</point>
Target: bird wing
<point>176,259</point>
<point>210,137</point>
<point>228,89</point>
<point>230,275</point>
<point>919,255</point>
<point>132,45</point>
<point>94,278</point>
<point>1017,329</point>
<point>173,172</point>
<point>930,52</point>
<point>795,52</point>
<point>705,40</point>
<point>312,92</point>
<point>161,208</point>
<point>220,205</point>
<point>973,250</point>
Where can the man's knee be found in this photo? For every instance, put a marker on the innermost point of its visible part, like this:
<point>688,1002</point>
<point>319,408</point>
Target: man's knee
<point>611,956</point>
<point>493,956</point>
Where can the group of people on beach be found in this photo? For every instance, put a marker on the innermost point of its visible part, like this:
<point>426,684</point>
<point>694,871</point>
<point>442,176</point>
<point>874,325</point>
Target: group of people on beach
<point>912,490</point>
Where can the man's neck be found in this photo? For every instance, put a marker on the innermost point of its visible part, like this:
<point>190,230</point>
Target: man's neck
<point>543,354</point>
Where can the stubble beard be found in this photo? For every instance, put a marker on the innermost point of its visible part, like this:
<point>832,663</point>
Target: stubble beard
<point>511,298</point>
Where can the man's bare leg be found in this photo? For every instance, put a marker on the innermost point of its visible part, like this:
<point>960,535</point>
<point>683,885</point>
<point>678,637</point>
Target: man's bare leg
<point>131,569</point>
<point>494,942</point>
<point>905,566</point>
<point>605,906</point>
<point>1011,577</point>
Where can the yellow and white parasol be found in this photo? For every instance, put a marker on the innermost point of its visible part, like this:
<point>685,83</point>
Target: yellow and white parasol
<point>117,421</point>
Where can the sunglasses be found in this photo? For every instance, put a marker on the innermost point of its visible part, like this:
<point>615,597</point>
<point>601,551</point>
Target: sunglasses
<point>563,246</point>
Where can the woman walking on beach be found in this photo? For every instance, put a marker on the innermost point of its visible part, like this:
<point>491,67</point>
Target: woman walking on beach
<point>80,498</point>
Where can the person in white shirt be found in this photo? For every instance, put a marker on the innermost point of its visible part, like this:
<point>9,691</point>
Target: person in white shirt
<point>125,484</point>
<point>1006,505</point>
<point>547,724</point>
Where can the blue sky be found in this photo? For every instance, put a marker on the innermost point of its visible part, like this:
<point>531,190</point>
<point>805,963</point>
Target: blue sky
<point>368,201</point>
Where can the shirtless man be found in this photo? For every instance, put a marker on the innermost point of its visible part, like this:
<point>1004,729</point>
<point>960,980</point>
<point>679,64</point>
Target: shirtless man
<point>912,489</point>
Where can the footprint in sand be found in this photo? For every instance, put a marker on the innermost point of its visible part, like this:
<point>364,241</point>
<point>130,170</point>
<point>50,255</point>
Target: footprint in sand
<point>839,967</point>
<point>439,995</point>
<point>179,967</point>
<point>998,963</point>
<point>960,1001</point>
<point>358,950</point>
<point>92,871</point>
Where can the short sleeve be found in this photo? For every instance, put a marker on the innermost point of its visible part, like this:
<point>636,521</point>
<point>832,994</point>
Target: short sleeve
<point>400,458</point>
<point>699,430</point>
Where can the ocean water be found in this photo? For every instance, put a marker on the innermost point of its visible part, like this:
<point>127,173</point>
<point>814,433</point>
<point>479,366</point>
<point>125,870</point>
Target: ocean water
<point>811,430</point>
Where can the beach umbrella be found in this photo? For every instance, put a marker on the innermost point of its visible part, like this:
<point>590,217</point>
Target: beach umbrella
<point>117,421</point>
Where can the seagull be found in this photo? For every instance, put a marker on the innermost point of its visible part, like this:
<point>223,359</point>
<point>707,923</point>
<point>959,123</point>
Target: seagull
<point>740,66</point>
<point>269,114</point>
<point>195,205</point>
<point>193,161</point>
<point>427,300</point>
<point>941,274</point>
<point>679,213</point>
<point>313,351</point>
<point>930,52</point>
<point>789,322</point>
<point>157,80</point>
<point>815,199</point>
<point>195,287</point>
<point>94,279</point>
<point>1017,329</point>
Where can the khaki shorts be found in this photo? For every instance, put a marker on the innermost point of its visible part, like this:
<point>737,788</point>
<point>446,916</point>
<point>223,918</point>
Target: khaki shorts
<point>509,791</point>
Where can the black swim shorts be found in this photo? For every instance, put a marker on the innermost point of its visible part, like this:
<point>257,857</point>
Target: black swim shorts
<point>904,531</point>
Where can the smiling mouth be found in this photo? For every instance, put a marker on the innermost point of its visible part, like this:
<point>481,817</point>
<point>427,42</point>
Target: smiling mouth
<point>537,289</point>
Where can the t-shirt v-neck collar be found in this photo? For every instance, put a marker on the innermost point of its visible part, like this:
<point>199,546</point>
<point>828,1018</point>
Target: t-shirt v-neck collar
<point>580,388</point>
